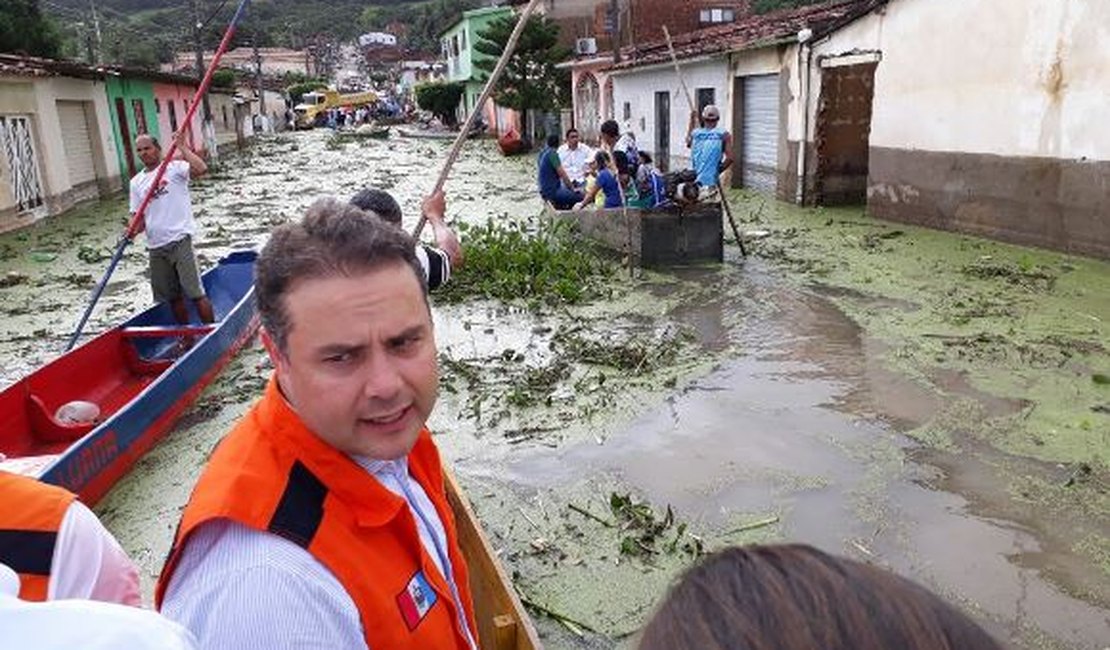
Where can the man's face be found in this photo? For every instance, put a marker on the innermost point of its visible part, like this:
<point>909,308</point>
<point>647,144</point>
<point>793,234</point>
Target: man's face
<point>572,140</point>
<point>360,360</point>
<point>148,153</point>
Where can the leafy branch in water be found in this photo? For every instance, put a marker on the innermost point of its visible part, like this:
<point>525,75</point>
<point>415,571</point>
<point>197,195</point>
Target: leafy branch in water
<point>644,533</point>
<point>544,265</point>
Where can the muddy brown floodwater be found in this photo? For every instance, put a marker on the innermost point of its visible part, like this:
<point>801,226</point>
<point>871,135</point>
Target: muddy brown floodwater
<point>927,402</point>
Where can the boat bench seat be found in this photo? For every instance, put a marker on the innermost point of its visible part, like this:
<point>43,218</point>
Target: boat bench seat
<point>144,366</point>
<point>47,428</point>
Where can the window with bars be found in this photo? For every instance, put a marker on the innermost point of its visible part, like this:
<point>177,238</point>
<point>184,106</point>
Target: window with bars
<point>716,16</point>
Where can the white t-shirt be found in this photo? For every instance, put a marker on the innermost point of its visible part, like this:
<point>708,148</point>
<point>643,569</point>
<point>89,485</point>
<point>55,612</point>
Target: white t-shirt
<point>85,624</point>
<point>169,215</point>
<point>88,562</point>
<point>575,160</point>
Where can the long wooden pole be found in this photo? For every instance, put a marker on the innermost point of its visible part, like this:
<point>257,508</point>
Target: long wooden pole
<point>693,108</point>
<point>453,155</point>
<point>136,219</point>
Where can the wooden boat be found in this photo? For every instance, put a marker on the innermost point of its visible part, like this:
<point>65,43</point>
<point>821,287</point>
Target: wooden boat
<point>503,624</point>
<point>135,376</point>
<point>664,236</point>
<point>372,131</point>
<point>511,144</point>
<point>433,135</point>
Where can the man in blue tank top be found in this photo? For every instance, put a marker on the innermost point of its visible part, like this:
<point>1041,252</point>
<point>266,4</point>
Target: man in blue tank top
<point>710,147</point>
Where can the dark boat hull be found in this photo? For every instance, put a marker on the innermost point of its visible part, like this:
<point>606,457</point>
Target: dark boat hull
<point>150,391</point>
<point>654,237</point>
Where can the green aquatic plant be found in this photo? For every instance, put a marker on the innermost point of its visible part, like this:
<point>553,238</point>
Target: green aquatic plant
<point>544,264</point>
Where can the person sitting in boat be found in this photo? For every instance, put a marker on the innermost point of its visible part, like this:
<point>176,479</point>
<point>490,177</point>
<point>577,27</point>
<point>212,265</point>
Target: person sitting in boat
<point>627,180</point>
<point>650,184</point>
<point>78,623</point>
<point>169,225</point>
<point>555,185</point>
<point>710,147</point>
<point>438,260</point>
<point>322,519</point>
<point>59,548</point>
<point>606,185</point>
<point>575,157</point>
<point>614,139</point>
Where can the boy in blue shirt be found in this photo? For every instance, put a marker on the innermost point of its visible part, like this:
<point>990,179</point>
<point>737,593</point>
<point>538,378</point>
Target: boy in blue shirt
<point>710,146</point>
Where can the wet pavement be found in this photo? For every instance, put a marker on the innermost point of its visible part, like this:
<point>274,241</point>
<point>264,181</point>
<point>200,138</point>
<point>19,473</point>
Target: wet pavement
<point>792,397</point>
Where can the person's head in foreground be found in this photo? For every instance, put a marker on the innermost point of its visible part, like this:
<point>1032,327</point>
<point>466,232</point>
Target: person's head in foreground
<point>379,202</point>
<point>795,597</point>
<point>346,323</point>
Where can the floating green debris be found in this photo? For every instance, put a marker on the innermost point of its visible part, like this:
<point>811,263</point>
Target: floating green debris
<point>542,265</point>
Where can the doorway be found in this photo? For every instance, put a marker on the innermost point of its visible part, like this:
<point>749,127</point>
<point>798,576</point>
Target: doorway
<point>663,130</point>
<point>843,134</point>
<point>125,136</point>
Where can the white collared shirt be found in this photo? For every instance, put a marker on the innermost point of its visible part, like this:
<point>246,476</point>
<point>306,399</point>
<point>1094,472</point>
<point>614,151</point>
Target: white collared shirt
<point>576,160</point>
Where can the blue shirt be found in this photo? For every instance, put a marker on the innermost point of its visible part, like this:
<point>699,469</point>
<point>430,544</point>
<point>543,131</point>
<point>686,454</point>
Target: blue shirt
<point>608,184</point>
<point>548,175</point>
<point>707,147</point>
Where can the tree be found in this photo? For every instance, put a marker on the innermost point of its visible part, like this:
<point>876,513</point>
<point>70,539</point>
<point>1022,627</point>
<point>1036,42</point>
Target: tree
<point>441,99</point>
<point>23,28</point>
<point>530,80</point>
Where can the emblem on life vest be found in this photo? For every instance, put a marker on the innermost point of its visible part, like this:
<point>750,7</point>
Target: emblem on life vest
<point>415,601</point>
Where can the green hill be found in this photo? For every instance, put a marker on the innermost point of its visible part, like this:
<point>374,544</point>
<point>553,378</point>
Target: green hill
<point>146,32</point>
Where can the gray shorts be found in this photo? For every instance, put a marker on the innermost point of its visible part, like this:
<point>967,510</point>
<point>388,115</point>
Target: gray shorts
<point>173,271</point>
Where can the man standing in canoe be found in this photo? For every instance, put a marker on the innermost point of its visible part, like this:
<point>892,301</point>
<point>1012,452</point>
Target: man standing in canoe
<point>169,225</point>
<point>321,520</point>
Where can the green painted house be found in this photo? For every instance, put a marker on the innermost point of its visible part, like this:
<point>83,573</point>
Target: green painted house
<point>133,112</point>
<point>457,46</point>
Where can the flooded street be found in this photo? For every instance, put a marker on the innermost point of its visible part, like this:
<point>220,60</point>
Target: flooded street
<point>924,401</point>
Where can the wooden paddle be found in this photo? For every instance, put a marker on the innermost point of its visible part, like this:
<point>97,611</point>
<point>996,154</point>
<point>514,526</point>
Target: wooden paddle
<point>453,155</point>
<point>693,108</point>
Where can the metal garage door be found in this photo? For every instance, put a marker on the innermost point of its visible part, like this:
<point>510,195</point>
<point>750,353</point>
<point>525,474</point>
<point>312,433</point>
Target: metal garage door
<point>75,136</point>
<point>761,132</point>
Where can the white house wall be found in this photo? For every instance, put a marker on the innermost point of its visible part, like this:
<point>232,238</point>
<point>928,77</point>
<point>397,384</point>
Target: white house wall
<point>638,86</point>
<point>38,98</point>
<point>988,117</point>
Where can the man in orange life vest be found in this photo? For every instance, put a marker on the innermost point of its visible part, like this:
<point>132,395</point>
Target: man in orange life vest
<point>58,548</point>
<point>321,519</point>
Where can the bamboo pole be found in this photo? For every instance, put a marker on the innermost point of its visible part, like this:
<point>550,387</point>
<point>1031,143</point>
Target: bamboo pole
<point>453,155</point>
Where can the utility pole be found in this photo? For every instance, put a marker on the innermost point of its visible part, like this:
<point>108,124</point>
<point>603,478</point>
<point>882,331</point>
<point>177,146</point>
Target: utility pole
<point>195,12</point>
<point>615,29</point>
<point>99,41</point>
<point>258,75</point>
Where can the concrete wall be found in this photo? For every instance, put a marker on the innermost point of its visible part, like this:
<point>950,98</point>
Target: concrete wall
<point>989,117</point>
<point>39,98</point>
<point>637,88</point>
<point>180,96</point>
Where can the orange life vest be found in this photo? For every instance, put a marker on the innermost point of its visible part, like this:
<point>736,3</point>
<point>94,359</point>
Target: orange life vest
<point>272,474</point>
<point>31,512</point>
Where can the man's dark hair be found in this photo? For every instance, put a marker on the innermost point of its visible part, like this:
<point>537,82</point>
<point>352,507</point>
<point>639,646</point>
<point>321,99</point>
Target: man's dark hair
<point>553,140</point>
<point>333,239</point>
<point>611,128</point>
<point>153,140</point>
<point>380,202</point>
<point>795,597</point>
<point>571,130</point>
<point>620,159</point>
<point>645,157</point>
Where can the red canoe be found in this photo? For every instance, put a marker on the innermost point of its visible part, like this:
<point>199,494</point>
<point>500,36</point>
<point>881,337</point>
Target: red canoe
<point>131,385</point>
